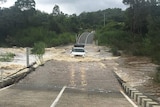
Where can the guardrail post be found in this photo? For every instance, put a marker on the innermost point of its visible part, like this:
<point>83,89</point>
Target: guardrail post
<point>1,75</point>
<point>27,56</point>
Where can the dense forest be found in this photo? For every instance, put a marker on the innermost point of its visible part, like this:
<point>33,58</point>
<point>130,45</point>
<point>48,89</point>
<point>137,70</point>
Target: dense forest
<point>139,31</point>
<point>22,24</point>
<point>134,30</point>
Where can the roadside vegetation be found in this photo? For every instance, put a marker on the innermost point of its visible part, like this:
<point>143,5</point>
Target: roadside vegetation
<point>6,57</point>
<point>138,34</point>
<point>135,30</point>
<point>157,76</point>
<point>39,50</point>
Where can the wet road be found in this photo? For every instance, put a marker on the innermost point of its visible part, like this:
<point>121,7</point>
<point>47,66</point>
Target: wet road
<point>86,38</point>
<point>89,84</point>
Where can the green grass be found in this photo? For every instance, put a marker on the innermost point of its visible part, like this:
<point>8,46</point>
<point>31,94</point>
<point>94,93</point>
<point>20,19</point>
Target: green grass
<point>7,57</point>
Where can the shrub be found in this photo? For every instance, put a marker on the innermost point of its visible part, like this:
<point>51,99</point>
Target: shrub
<point>27,37</point>
<point>39,50</point>
<point>115,51</point>
<point>157,75</point>
<point>7,57</point>
<point>115,38</point>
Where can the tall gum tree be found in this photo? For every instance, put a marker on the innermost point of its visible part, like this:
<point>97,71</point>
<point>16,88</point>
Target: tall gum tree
<point>136,16</point>
<point>25,4</point>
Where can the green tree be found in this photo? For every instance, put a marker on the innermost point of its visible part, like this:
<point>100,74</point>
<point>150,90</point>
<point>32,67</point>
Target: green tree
<point>28,36</point>
<point>10,19</point>
<point>56,10</point>
<point>136,16</point>
<point>153,34</point>
<point>25,4</point>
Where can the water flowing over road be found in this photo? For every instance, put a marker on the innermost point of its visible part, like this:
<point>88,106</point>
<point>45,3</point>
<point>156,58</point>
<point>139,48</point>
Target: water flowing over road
<point>66,81</point>
<point>89,83</point>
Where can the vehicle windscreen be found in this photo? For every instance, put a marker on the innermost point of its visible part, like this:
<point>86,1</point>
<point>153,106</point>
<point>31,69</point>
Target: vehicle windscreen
<point>78,50</point>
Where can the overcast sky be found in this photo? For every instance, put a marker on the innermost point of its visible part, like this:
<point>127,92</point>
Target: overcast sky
<point>73,6</point>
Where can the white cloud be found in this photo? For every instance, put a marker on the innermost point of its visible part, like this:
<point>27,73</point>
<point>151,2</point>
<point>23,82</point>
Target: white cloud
<point>8,3</point>
<point>73,6</point>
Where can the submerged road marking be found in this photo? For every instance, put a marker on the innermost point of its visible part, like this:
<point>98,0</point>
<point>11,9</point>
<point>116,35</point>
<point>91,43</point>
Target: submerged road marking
<point>58,97</point>
<point>6,87</point>
<point>72,76</point>
<point>134,105</point>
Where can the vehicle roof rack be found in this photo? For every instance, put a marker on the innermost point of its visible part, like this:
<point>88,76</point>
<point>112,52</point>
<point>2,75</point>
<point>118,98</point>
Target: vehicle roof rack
<point>79,45</point>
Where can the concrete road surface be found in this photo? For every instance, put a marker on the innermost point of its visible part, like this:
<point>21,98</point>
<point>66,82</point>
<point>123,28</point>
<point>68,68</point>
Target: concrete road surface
<point>86,38</point>
<point>89,84</point>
